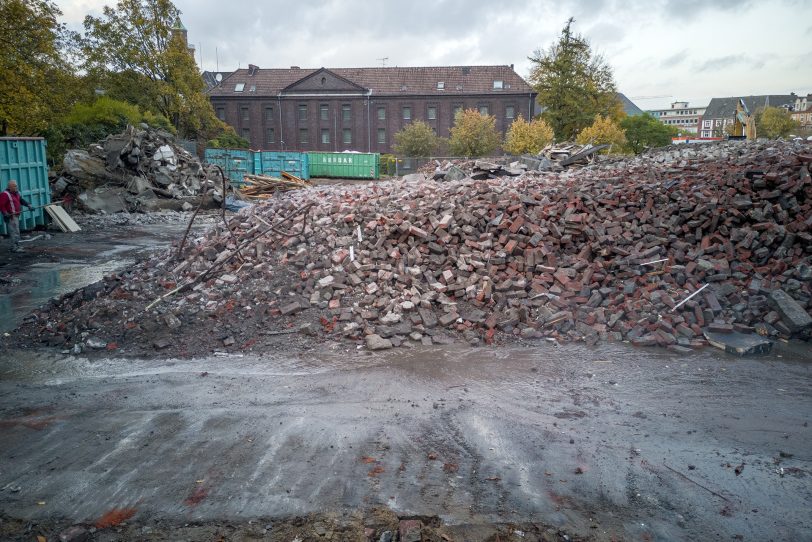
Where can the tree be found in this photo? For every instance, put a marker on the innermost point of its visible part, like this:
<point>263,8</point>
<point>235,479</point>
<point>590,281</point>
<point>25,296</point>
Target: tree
<point>573,84</point>
<point>417,139</point>
<point>136,51</point>
<point>646,131</point>
<point>473,134</point>
<point>229,140</point>
<point>36,79</point>
<point>774,122</point>
<point>528,137</point>
<point>87,123</point>
<point>604,131</point>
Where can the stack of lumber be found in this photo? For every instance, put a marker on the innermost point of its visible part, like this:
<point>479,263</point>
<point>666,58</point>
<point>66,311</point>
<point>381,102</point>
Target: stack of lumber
<point>262,187</point>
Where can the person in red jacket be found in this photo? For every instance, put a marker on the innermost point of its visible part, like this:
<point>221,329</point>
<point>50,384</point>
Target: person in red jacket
<point>11,205</point>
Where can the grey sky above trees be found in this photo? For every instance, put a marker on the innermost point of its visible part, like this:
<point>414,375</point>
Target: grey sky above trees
<point>680,49</point>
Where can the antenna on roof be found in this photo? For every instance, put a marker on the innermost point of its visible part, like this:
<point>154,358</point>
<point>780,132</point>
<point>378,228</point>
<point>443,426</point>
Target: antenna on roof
<point>383,61</point>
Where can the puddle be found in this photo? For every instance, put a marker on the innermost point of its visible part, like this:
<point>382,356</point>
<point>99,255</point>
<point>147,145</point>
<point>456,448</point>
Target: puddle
<point>52,280</point>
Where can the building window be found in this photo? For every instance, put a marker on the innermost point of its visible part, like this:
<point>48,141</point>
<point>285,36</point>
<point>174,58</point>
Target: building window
<point>483,109</point>
<point>244,115</point>
<point>718,122</point>
<point>346,112</point>
<point>510,112</point>
<point>303,137</point>
<point>324,112</point>
<point>381,135</point>
<point>347,136</point>
<point>239,87</point>
<point>407,113</point>
<point>325,135</point>
<point>246,133</point>
<point>432,113</point>
<point>270,136</point>
<point>303,112</point>
<point>381,113</point>
<point>268,114</point>
<point>457,110</point>
<point>440,85</point>
<point>498,85</point>
<point>221,113</point>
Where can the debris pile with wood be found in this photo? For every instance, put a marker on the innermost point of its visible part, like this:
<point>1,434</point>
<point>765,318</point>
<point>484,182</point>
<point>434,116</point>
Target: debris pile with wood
<point>259,187</point>
<point>137,170</point>
<point>654,250</point>
<point>554,157</point>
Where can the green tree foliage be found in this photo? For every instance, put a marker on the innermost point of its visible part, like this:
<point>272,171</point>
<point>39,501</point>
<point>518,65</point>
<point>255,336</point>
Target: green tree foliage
<point>229,140</point>
<point>473,134</point>
<point>604,131</point>
<point>36,79</point>
<point>774,122</point>
<point>573,84</point>
<point>417,139</point>
<point>646,131</point>
<point>86,123</point>
<point>528,137</point>
<point>134,49</point>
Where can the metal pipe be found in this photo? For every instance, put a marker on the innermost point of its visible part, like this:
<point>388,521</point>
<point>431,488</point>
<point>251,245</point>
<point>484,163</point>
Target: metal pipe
<point>369,136</point>
<point>281,135</point>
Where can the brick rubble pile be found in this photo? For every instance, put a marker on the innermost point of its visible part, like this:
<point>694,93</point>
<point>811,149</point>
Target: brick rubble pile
<point>606,252</point>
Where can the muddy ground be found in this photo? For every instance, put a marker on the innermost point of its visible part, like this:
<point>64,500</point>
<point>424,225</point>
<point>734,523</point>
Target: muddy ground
<point>542,442</point>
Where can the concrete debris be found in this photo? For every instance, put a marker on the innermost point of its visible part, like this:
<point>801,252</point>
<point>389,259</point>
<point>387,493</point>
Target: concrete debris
<point>539,255</point>
<point>739,343</point>
<point>137,170</point>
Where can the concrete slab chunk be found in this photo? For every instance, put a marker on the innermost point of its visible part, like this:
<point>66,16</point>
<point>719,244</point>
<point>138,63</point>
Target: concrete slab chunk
<point>792,313</point>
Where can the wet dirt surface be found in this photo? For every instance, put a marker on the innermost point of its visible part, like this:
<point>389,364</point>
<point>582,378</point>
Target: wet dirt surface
<point>51,267</point>
<point>611,442</point>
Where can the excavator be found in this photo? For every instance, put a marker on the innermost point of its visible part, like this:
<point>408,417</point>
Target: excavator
<point>744,124</point>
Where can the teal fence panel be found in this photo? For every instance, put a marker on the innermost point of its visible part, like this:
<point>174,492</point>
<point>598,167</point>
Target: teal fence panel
<point>23,159</point>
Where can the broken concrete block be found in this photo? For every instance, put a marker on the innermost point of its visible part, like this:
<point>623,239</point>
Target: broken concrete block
<point>793,315</point>
<point>739,343</point>
<point>376,342</point>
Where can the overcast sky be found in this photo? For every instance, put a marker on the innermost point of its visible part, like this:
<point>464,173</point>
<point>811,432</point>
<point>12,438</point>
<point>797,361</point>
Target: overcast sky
<point>672,49</point>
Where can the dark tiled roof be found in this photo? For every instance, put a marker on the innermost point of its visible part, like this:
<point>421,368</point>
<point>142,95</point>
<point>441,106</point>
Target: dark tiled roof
<point>210,78</point>
<point>386,81</point>
<point>628,106</point>
<point>725,108</point>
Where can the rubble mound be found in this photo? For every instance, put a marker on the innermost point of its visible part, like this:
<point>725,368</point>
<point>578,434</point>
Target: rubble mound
<point>654,250</point>
<point>137,170</point>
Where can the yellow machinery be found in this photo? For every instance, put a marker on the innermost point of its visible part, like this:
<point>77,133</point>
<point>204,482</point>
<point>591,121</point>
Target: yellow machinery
<point>744,125</point>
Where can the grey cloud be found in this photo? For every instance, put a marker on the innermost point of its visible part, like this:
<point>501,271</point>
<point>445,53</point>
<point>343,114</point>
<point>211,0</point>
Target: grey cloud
<point>724,62</point>
<point>674,60</point>
<point>688,10</point>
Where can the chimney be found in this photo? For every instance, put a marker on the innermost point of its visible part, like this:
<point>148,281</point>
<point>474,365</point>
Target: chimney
<point>252,70</point>
<point>294,67</point>
<point>511,66</point>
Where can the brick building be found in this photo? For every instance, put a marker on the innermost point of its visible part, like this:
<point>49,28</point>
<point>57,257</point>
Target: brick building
<point>361,109</point>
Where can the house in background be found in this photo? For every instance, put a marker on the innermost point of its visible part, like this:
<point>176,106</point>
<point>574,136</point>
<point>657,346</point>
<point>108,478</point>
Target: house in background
<point>212,79</point>
<point>681,115</point>
<point>721,111</point>
<point>802,103</point>
<point>362,109</point>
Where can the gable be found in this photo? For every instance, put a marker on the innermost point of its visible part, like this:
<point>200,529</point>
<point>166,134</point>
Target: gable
<point>324,81</point>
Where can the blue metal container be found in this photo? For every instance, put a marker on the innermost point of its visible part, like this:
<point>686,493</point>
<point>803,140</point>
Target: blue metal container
<point>23,159</point>
<point>236,163</point>
<point>273,163</point>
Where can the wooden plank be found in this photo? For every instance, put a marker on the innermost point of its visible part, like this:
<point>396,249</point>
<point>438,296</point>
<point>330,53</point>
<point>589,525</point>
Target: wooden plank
<point>50,210</point>
<point>72,226</point>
